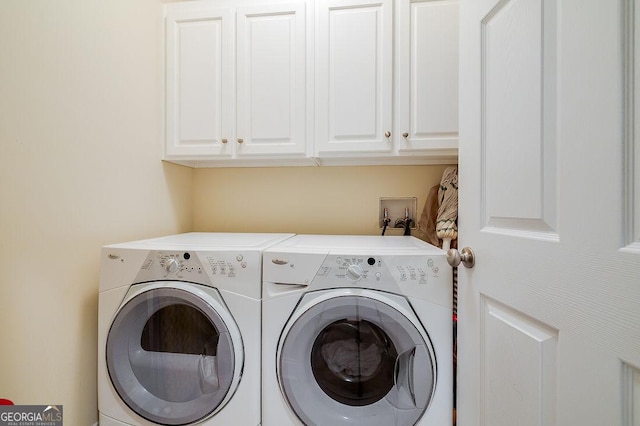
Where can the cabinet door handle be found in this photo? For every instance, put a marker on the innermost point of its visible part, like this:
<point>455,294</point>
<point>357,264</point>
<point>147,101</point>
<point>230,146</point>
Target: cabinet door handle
<point>387,134</point>
<point>240,140</point>
<point>405,135</point>
<point>224,140</point>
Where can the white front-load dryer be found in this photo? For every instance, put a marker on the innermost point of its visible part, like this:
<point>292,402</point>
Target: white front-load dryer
<point>357,330</point>
<point>179,330</point>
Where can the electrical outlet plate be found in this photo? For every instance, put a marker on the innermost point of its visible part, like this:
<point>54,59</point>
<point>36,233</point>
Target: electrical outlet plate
<point>396,207</point>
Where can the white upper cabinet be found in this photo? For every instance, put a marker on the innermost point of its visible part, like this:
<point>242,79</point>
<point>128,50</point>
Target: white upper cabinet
<point>271,82</point>
<point>198,82</point>
<point>387,82</point>
<point>426,115</point>
<point>263,83</point>
<point>354,87</point>
<point>236,84</point>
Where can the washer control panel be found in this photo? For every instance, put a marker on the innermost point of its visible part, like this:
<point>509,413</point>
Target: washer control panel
<point>422,276</point>
<point>411,273</point>
<point>356,269</point>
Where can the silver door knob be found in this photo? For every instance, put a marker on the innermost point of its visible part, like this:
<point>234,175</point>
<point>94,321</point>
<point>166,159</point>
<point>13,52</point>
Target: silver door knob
<point>466,257</point>
<point>387,134</point>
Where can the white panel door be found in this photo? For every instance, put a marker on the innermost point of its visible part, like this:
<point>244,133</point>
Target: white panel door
<point>426,111</point>
<point>271,79</point>
<point>354,76</point>
<point>549,317</point>
<point>198,86</point>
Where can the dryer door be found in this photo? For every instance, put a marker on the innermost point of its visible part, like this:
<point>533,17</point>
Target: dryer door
<point>174,353</point>
<point>356,359</point>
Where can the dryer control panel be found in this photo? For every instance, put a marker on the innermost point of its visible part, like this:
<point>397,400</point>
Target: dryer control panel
<point>172,265</point>
<point>209,268</point>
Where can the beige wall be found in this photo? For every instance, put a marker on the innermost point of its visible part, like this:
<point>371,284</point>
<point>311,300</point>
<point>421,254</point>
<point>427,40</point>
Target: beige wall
<point>324,200</point>
<point>80,135</point>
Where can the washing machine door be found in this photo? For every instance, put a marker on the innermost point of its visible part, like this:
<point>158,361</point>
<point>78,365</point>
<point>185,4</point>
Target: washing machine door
<point>356,357</point>
<point>174,353</point>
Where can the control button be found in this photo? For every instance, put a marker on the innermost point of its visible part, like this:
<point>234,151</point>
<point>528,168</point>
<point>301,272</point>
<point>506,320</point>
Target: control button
<point>239,258</point>
<point>354,272</point>
<point>371,261</point>
<point>187,256</point>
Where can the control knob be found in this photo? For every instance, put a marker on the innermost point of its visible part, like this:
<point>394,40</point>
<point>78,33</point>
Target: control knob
<point>354,272</point>
<point>171,265</point>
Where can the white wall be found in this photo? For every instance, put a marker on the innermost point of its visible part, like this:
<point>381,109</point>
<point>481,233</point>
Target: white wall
<point>80,146</point>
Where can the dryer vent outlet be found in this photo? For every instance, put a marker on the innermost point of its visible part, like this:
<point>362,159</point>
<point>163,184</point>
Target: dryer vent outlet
<point>397,208</point>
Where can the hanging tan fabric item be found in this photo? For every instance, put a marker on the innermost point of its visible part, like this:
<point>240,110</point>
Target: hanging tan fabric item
<point>439,215</point>
<point>426,226</point>
<point>446,227</point>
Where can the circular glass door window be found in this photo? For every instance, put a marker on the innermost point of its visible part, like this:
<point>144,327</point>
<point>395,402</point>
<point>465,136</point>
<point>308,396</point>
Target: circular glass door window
<point>355,360</point>
<point>171,355</point>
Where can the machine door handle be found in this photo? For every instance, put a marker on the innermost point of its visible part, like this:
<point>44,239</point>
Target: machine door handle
<point>467,257</point>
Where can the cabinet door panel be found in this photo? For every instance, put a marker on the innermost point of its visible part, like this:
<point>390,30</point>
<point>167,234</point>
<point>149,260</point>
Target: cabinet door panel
<point>354,76</point>
<point>271,80</point>
<point>427,79</point>
<point>197,81</point>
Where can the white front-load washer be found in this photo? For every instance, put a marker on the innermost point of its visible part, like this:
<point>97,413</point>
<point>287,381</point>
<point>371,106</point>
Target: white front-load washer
<point>179,330</point>
<point>357,330</point>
